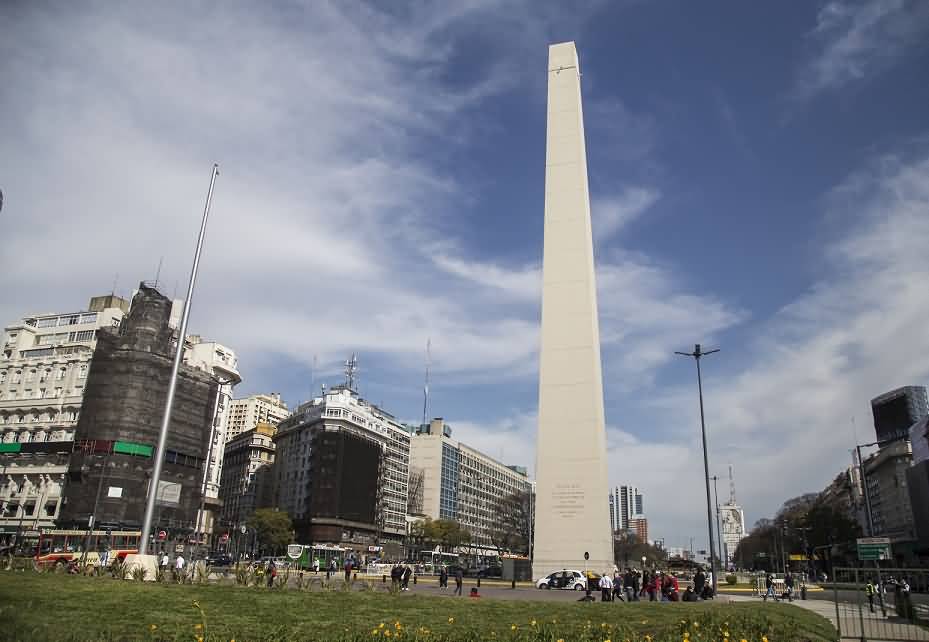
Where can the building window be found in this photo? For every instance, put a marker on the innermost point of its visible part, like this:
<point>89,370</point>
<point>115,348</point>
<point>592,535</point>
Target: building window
<point>30,376</point>
<point>82,336</point>
<point>82,371</point>
<point>60,374</point>
<point>89,318</point>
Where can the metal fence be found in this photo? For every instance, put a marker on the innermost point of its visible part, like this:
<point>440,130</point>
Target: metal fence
<point>881,604</point>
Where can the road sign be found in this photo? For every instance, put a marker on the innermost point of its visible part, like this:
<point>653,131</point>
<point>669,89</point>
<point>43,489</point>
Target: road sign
<point>162,536</point>
<point>873,548</point>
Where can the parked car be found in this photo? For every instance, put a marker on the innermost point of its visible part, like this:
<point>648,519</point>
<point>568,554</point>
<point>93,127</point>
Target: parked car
<point>219,559</point>
<point>566,579</point>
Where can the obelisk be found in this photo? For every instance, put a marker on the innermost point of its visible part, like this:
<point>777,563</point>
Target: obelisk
<point>572,492</point>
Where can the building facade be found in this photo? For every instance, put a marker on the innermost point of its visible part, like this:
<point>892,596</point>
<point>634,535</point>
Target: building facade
<point>245,414</point>
<point>639,526</point>
<point>299,487</point>
<point>886,485</point>
<point>221,362</point>
<point>127,385</point>
<point>896,411</point>
<point>246,476</point>
<point>460,483</point>
<point>627,504</point>
<point>44,363</point>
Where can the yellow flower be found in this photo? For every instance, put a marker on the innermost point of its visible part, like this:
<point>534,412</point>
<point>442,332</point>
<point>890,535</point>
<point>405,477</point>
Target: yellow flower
<point>397,624</point>
<point>152,627</point>
<point>381,625</point>
<point>198,626</point>
<point>532,623</point>
<point>373,631</point>
<point>387,633</point>
<point>726,634</point>
<point>512,627</point>
<point>603,625</point>
<point>696,624</point>
<point>560,640</point>
<point>451,620</point>
<point>200,639</point>
<point>764,638</point>
<point>686,635</point>
<point>648,638</point>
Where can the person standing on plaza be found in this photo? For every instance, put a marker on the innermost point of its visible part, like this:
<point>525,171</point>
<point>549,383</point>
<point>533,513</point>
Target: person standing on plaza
<point>179,567</point>
<point>164,561</point>
<point>869,590</point>
<point>443,577</point>
<point>617,584</point>
<point>769,586</point>
<point>407,572</point>
<point>636,583</point>
<point>459,577</point>
<point>789,586</point>
<point>699,582</point>
<point>348,570</point>
<point>316,565</point>
<point>628,584</point>
<point>606,587</point>
<point>271,573</point>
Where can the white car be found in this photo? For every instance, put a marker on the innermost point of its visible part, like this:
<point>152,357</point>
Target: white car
<point>567,579</point>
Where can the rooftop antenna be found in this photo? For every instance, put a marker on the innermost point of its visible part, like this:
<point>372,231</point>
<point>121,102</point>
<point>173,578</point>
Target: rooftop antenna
<point>351,368</point>
<point>731,487</point>
<point>312,377</point>
<point>158,272</point>
<point>426,386</point>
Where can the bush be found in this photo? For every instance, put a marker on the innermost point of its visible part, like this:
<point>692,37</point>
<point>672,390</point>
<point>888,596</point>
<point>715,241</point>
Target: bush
<point>731,579</point>
<point>138,573</point>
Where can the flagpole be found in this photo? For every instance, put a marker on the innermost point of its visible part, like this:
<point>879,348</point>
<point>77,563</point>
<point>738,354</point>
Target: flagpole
<point>172,382</point>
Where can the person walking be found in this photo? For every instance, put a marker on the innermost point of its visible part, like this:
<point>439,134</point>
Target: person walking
<point>617,583</point>
<point>606,587</point>
<point>636,582</point>
<point>271,573</point>
<point>459,578</point>
<point>652,587</point>
<point>769,586</point>
<point>179,567</point>
<point>316,565</point>
<point>164,561</point>
<point>789,586</point>
<point>443,577</point>
<point>628,584</point>
<point>348,570</point>
<point>869,591</point>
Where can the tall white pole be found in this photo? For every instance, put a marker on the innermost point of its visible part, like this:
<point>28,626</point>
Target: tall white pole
<point>172,382</point>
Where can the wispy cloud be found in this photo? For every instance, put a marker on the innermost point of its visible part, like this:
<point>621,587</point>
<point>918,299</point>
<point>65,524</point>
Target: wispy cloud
<point>855,40</point>
<point>610,214</point>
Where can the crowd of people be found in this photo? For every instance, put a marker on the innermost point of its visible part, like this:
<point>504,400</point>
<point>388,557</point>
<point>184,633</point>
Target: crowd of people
<point>634,585</point>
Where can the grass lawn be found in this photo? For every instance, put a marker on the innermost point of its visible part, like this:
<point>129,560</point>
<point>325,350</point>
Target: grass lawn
<point>61,607</point>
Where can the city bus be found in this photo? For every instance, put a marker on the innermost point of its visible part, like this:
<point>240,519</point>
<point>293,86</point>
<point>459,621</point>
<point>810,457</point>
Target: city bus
<point>64,546</point>
<point>432,561</point>
<point>303,555</point>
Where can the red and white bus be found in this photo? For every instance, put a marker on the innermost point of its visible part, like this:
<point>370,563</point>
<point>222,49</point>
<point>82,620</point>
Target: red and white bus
<point>64,546</point>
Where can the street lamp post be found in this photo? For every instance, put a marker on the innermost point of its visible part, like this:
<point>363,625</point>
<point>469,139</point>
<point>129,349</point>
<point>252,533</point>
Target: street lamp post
<point>696,354</point>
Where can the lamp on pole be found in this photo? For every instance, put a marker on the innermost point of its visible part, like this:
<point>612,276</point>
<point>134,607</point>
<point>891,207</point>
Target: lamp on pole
<point>172,382</point>
<point>696,354</point>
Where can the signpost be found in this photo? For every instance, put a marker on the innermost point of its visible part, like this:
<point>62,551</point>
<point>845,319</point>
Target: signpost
<point>873,548</point>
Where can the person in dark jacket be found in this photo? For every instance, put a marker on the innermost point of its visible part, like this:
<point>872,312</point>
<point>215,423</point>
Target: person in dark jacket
<point>699,582</point>
<point>459,578</point>
<point>407,572</point>
<point>443,577</point>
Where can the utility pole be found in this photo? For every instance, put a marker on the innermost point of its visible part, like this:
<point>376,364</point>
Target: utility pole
<point>172,382</point>
<point>696,354</point>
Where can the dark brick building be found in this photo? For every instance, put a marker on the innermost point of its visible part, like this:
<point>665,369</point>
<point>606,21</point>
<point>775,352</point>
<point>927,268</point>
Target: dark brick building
<point>121,415</point>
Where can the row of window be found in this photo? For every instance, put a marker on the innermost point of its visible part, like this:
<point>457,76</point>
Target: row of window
<point>39,393</point>
<point>69,319</point>
<point>38,416</point>
<point>43,374</point>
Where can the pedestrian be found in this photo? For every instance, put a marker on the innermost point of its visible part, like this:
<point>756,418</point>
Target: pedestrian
<point>407,572</point>
<point>628,584</point>
<point>789,586</point>
<point>652,587</point>
<point>617,583</point>
<point>459,577</point>
<point>164,561</point>
<point>271,573</point>
<point>443,577</point>
<point>179,567</point>
<point>869,590</point>
<point>348,570</point>
<point>769,586</point>
<point>395,573</point>
<point>636,581</point>
<point>699,582</point>
<point>606,587</point>
<point>332,568</point>
<point>316,565</point>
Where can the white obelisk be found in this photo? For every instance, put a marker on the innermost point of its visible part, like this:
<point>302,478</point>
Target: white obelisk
<point>572,508</point>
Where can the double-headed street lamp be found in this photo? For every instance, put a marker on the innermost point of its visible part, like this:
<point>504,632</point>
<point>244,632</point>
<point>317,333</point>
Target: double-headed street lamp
<point>696,354</point>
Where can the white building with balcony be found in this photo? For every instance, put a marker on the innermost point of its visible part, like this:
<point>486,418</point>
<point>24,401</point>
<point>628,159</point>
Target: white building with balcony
<point>245,414</point>
<point>44,363</point>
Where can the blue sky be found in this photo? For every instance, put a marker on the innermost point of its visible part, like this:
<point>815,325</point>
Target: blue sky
<point>759,179</point>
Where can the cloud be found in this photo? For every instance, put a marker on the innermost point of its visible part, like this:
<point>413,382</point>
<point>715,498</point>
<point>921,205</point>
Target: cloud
<point>780,407</point>
<point>610,214</point>
<point>856,40</point>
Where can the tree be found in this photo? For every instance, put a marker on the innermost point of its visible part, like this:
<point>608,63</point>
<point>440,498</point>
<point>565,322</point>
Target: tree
<point>510,531</point>
<point>274,529</point>
<point>446,533</point>
<point>628,550</point>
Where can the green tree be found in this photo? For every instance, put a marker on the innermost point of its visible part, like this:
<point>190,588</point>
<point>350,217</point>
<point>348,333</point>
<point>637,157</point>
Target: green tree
<point>510,531</point>
<point>274,528</point>
<point>628,550</point>
<point>443,532</point>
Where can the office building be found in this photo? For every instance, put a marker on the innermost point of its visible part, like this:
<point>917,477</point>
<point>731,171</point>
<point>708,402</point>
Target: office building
<point>120,420</point>
<point>245,414</point>
<point>917,479</point>
<point>639,526</point>
<point>627,504</point>
<point>327,477</point>
<point>246,477</point>
<point>886,485</point>
<point>896,411</point>
<point>460,483</point>
<point>44,362</point>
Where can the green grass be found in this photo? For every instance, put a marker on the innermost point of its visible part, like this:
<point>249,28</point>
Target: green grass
<point>61,607</point>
